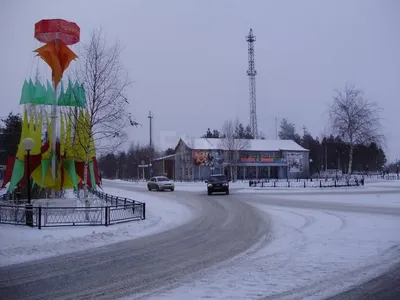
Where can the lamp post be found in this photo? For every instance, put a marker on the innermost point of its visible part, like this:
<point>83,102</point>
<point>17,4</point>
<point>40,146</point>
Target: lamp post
<point>27,144</point>
<point>150,170</point>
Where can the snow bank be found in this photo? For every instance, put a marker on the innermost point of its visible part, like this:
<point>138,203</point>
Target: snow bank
<point>20,243</point>
<point>372,199</point>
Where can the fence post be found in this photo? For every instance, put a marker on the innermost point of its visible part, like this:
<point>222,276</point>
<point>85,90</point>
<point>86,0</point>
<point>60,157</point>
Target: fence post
<point>320,184</point>
<point>106,214</point>
<point>39,220</point>
<point>335,183</point>
<point>304,183</point>
<point>29,215</point>
<point>274,183</point>
<point>144,211</point>
<point>288,183</point>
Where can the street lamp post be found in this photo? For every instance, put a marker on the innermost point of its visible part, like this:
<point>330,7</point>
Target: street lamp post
<point>150,170</point>
<point>27,144</point>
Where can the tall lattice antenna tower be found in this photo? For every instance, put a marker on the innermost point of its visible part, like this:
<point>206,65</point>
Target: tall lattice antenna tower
<point>251,72</point>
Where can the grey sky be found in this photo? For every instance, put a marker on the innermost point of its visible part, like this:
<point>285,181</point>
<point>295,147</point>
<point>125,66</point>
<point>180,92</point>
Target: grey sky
<point>188,59</point>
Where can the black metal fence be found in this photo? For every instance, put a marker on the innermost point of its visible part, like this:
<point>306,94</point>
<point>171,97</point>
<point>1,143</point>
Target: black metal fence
<point>301,183</point>
<point>116,210</point>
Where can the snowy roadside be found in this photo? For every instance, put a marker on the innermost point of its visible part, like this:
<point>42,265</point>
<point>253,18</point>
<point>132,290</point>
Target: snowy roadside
<point>313,254</point>
<point>373,199</point>
<point>20,243</point>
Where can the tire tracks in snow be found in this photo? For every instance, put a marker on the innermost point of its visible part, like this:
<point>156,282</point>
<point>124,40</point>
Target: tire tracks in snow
<point>220,232</point>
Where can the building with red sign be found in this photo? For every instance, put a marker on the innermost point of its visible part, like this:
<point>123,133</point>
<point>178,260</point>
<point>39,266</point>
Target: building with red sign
<point>197,158</point>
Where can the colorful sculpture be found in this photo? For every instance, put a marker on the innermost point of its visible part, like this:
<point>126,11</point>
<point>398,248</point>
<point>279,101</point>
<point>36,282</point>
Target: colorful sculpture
<point>67,152</point>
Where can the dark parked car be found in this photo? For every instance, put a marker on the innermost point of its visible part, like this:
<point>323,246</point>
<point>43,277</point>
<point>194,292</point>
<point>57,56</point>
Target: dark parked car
<point>217,184</point>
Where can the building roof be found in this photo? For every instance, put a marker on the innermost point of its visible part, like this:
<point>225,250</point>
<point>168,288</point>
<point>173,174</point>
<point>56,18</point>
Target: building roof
<point>253,145</point>
<point>168,157</point>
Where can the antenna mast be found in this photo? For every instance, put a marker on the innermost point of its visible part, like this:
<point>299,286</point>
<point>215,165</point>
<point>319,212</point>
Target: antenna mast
<point>251,72</point>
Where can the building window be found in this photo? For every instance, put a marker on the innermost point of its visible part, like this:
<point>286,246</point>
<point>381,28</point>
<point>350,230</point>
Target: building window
<point>266,154</point>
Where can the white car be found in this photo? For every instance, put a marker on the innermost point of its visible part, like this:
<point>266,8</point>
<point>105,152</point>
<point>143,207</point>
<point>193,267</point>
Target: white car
<point>160,183</point>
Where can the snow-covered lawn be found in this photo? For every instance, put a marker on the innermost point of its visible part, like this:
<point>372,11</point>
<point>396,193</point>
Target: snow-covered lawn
<point>310,254</point>
<point>21,243</point>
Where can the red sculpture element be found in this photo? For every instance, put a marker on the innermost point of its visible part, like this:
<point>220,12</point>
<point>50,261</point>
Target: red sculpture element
<point>57,29</point>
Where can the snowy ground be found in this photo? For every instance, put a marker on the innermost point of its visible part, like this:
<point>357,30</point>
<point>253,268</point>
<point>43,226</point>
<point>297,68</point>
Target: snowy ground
<point>312,255</point>
<point>20,243</point>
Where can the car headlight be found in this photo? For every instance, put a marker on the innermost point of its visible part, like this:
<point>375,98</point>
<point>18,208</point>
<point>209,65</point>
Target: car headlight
<point>209,185</point>
<point>225,184</point>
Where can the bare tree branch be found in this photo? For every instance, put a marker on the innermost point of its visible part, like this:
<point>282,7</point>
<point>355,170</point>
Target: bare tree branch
<point>105,83</point>
<point>355,119</point>
<point>230,144</point>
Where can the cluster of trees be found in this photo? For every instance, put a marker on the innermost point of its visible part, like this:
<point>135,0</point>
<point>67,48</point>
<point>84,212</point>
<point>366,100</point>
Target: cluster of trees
<point>333,152</point>
<point>235,128</point>
<point>10,134</point>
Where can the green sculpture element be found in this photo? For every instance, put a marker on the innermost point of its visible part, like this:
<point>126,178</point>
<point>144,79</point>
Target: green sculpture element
<point>38,94</point>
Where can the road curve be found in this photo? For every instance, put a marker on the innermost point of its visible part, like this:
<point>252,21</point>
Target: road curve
<point>222,231</point>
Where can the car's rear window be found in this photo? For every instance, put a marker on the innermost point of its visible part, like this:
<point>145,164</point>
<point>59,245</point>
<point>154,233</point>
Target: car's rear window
<point>162,179</point>
<point>217,178</point>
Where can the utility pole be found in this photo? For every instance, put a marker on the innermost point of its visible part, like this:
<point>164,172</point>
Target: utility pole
<point>150,116</point>
<point>276,127</point>
<point>304,130</point>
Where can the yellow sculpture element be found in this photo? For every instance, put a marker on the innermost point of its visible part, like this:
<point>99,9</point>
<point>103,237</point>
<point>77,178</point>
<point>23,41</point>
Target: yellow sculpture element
<point>31,127</point>
<point>35,132</point>
<point>81,141</point>
<point>69,153</point>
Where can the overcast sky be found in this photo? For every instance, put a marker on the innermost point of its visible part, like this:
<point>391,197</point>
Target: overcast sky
<point>188,59</point>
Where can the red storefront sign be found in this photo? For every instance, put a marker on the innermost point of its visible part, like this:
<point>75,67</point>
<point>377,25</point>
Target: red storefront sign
<point>260,160</point>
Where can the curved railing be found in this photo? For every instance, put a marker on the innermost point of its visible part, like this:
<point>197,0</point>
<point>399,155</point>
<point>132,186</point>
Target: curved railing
<point>116,210</point>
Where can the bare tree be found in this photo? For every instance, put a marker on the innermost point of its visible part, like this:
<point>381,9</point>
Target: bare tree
<point>355,119</point>
<point>105,82</point>
<point>231,145</point>
<point>186,158</point>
